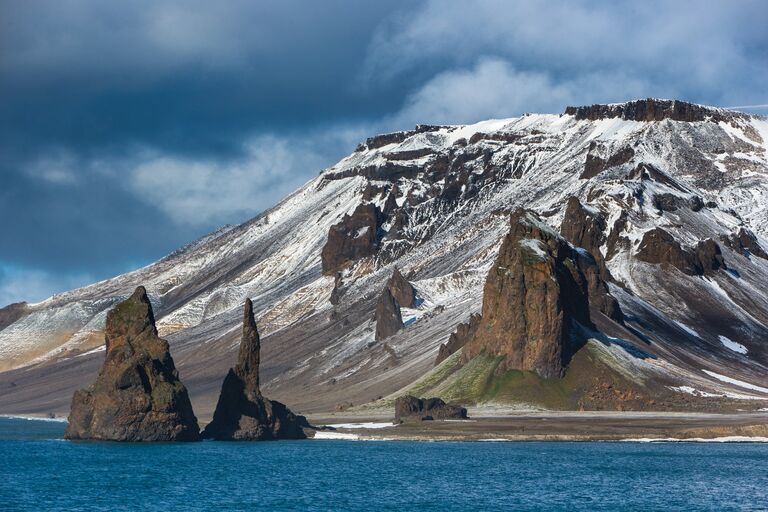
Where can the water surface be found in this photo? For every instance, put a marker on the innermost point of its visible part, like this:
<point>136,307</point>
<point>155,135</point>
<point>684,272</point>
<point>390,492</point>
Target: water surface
<point>40,471</point>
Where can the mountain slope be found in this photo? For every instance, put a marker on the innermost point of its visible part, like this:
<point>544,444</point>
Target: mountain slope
<point>655,178</point>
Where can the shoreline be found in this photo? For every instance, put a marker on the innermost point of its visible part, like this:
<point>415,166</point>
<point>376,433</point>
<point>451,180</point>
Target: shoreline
<point>565,426</point>
<point>538,426</point>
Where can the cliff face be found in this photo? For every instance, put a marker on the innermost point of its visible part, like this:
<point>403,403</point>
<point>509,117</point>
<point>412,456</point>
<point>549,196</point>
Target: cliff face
<point>401,289</point>
<point>355,237</point>
<point>388,317</point>
<point>137,395</point>
<point>652,110</point>
<point>659,247</point>
<point>242,413</point>
<point>535,297</point>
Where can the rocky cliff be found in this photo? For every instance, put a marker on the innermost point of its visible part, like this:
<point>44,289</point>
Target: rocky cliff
<point>536,300</point>
<point>242,412</point>
<point>137,395</point>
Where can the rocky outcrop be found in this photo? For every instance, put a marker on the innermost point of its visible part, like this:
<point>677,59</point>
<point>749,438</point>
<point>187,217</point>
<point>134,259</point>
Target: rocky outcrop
<point>355,237</point>
<point>659,247</point>
<point>12,312</point>
<point>709,257</point>
<point>338,289</point>
<point>410,407</point>
<point>596,164</point>
<point>585,227</point>
<point>388,317</point>
<point>745,243</point>
<point>242,413</point>
<point>458,338</point>
<point>652,110</point>
<point>137,395</point>
<point>401,290</point>
<point>535,296</point>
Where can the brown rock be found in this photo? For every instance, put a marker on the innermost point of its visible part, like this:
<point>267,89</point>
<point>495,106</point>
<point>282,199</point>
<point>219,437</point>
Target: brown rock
<point>12,312</point>
<point>651,110</point>
<point>137,395</point>
<point>354,237</point>
<point>242,413</point>
<point>595,164</point>
<point>535,295</point>
<point>660,247</point>
<point>745,243</point>
<point>585,227</point>
<point>388,317</point>
<point>410,407</point>
<point>463,333</point>
<point>337,291</point>
<point>709,256</point>
<point>401,290</point>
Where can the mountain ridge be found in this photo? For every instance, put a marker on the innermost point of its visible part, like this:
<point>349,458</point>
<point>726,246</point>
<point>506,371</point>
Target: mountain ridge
<point>444,193</point>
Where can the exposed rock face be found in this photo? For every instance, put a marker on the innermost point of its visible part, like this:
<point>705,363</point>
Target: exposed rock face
<point>584,227</point>
<point>410,407</point>
<point>137,395</point>
<point>242,413</point>
<point>12,312</point>
<point>337,291</point>
<point>388,317</point>
<point>401,290</point>
<point>651,110</point>
<point>355,237</point>
<point>745,243</point>
<point>535,295</point>
<point>709,256</point>
<point>659,247</point>
<point>463,333</point>
<point>596,164</point>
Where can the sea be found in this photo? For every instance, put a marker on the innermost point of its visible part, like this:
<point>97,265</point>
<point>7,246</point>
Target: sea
<point>39,470</point>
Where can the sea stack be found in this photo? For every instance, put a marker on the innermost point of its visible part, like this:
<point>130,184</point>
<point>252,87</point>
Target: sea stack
<point>242,413</point>
<point>137,395</point>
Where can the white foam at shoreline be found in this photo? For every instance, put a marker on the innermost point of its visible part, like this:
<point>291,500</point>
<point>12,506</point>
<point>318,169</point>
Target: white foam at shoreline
<point>33,418</point>
<point>336,435</point>
<point>724,439</point>
<point>369,424</point>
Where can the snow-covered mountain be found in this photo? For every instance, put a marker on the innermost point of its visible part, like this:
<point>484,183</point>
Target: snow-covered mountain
<point>658,178</point>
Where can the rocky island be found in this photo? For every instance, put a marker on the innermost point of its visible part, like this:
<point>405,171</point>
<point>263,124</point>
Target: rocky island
<point>242,412</point>
<point>137,395</point>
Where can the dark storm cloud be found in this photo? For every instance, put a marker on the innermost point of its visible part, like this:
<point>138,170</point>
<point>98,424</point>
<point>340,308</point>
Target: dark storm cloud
<point>130,128</point>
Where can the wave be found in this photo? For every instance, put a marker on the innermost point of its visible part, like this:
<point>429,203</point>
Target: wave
<point>33,418</point>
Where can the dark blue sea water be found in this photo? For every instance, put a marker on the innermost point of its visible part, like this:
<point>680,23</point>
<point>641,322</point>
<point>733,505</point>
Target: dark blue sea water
<point>39,471</point>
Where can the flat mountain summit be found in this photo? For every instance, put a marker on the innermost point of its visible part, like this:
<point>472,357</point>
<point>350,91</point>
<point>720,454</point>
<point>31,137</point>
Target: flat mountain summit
<point>656,209</point>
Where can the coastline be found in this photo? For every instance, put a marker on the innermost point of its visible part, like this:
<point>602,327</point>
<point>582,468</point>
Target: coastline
<point>556,426</point>
<point>536,426</point>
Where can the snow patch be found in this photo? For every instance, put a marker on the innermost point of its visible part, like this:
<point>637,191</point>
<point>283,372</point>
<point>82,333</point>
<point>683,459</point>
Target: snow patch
<point>732,345</point>
<point>736,382</point>
<point>687,329</point>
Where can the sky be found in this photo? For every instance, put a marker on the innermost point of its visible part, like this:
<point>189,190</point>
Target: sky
<point>130,128</point>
